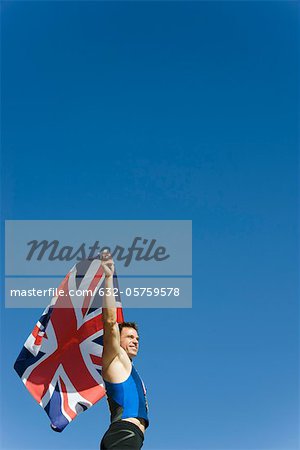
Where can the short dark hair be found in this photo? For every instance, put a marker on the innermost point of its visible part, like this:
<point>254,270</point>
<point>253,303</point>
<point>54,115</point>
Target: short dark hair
<point>128,325</point>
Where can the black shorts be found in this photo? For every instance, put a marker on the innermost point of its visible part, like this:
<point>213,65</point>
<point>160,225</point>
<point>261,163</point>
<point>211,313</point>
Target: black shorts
<point>122,435</point>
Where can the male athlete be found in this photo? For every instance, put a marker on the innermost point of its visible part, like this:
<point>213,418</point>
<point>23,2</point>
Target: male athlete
<point>125,390</point>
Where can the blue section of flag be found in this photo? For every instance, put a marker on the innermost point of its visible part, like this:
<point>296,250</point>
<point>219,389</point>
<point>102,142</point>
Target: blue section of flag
<point>53,409</point>
<point>25,360</point>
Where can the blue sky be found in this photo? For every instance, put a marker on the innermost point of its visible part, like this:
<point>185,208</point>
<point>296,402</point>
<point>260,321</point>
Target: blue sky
<point>191,110</point>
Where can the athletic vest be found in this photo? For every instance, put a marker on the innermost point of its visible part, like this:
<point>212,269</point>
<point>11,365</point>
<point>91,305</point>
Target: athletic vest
<point>127,399</point>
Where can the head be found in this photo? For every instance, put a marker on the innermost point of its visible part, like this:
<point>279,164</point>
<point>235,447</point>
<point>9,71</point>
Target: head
<point>129,338</point>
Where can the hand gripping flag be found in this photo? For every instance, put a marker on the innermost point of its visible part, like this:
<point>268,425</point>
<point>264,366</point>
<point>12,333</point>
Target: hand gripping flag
<point>60,363</point>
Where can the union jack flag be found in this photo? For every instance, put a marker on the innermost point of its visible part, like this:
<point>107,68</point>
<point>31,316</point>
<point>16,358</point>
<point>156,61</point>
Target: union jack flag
<point>60,363</point>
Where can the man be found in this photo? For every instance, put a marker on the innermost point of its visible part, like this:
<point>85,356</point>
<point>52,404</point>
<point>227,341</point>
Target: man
<point>125,390</point>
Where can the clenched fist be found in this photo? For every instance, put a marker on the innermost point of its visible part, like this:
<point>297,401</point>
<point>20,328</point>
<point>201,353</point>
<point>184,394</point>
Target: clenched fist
<point>107,264</point>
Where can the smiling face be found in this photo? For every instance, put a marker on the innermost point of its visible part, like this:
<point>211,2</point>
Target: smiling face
<point>129,340</point>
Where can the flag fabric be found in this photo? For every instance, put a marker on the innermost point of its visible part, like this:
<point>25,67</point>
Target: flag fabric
<point>60,363</point>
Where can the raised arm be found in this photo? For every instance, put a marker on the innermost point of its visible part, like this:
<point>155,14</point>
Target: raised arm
<point>111,334</point>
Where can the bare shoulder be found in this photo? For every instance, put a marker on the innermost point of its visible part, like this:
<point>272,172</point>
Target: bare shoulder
<point>119,368</point>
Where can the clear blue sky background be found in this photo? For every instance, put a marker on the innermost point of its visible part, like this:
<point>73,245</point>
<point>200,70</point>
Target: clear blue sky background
<point>191,109</point>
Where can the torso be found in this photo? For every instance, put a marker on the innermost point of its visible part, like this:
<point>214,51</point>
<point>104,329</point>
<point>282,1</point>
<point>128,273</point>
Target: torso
<point>118,371</point>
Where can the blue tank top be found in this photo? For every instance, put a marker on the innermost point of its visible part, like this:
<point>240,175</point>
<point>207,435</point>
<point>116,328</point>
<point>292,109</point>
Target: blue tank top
<point>127,399</point>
